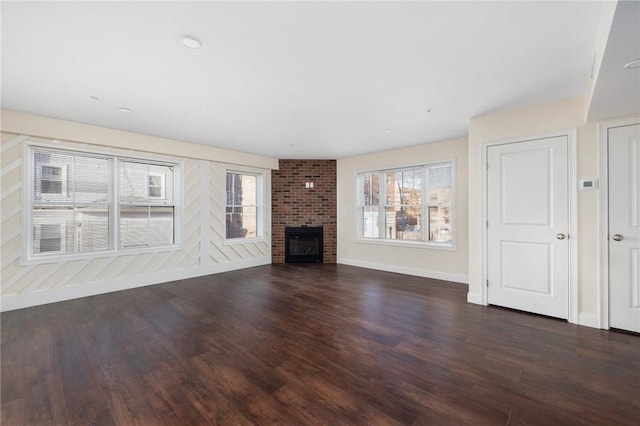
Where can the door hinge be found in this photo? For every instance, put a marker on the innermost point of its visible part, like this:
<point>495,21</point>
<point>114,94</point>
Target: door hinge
<point>487,224</point>
<point>487,166</point>
<point>487,283</point>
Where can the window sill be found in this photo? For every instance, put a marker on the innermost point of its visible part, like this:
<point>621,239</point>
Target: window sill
<point>57,258</point>
<point>408,244</point>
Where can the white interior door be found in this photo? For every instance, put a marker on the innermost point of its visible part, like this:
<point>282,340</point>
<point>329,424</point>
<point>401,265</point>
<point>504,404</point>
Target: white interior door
<point>624,227</point>
<point>528,224</point>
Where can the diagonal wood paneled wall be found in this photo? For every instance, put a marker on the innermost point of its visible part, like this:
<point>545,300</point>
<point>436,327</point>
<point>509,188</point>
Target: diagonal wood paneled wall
<point>202,229</point>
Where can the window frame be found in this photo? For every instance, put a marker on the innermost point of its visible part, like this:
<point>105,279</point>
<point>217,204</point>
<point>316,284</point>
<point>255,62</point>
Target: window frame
<point>424,242</point>
<point>29,257</point>
<point>260,202</point>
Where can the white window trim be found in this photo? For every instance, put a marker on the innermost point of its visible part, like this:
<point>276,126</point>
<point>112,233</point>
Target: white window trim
<point>423,244</point>
<point>29,258</point>
<point>260,209</point>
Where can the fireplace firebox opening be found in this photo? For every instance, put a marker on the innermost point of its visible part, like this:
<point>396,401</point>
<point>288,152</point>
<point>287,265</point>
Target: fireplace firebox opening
<point>303,244</point>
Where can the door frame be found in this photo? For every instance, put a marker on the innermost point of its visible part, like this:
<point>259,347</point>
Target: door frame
<point>573,221</point>
<point>603,144</point>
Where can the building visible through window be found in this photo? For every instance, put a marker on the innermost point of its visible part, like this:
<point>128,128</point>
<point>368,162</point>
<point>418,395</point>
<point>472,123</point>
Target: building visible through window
<point>242,205</point>
<point>409,204</point>
<point>74,207</point>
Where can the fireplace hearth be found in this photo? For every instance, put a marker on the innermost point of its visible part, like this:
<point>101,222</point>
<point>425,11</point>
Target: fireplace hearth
<point>303,244</point>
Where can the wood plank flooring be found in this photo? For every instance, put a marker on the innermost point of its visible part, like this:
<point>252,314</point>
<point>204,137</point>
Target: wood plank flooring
<point>309,345</point>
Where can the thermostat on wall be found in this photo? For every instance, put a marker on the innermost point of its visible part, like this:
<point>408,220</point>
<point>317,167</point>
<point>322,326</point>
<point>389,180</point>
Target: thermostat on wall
<point>588,184</point>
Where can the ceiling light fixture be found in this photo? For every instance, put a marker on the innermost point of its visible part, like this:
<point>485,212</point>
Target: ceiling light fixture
<point>388,130</point>
<point>94,98</point>
<point>124,110</point>
<point>191,42</point>
<point>633,64</point>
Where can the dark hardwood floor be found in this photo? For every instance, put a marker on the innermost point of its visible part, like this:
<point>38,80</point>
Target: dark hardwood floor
<point>309,344</point>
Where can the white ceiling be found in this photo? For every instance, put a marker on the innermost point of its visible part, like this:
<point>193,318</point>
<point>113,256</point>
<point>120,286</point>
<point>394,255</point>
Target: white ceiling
<point>293,80</point>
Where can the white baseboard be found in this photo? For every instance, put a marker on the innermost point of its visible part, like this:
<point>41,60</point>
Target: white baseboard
<point>475,298</point>
<point>19,301</point>
<point>438,275</point>
<point>588,320</point>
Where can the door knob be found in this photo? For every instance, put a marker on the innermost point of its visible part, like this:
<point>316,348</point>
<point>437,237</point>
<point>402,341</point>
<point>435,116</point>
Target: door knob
<point>618,237</point>
<point>561,236</point>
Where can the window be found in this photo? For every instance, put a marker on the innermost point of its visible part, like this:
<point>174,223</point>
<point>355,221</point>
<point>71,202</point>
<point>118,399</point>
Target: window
<point>74,207</point>
<point>156,186</point>
<point>52,180</point>
<point>408,204</point>
<point>70,203</point>
<point>49,237</point>
<point>146,205</point>
<point>243,205</point>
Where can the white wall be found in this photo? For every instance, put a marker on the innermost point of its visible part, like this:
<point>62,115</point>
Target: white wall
<point>51,128</point>
<point>202,251</point>
<point>540,120</point>
<point>429,262</point>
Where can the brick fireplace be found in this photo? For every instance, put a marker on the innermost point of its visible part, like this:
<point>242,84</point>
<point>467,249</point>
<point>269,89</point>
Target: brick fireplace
<point>304,194</point>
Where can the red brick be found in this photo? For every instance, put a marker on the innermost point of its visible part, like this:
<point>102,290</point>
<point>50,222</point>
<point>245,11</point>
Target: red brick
<point>295,205</point>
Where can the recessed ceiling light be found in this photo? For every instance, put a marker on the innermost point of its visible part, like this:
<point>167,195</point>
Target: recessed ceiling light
<point>190,42</point>
<point>633,64</point>
<point>429,110</point>
<point>124,110</point>
<point>388,130</point>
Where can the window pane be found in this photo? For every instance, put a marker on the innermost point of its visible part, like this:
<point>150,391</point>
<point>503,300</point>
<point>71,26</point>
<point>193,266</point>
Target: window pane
<point>65,229</point>
<point>242,222</point>
<point>51,186</point>
<point>155,192</point>
<point>404,187</point>
<point>241,189</point>
<point>92,228</point>
<point>140,182</point>
<point>51,171</point>
<point>370,227</point>
<point>50,176</point>
<point>70,178</point>
<point>242,205</point>
<point>161,226</point>
<point>440,226</point>
<point>155,186</point>
<point>440,184</point>
<point>403,223</point>
<point>134,226</point>
<point>50,237</point>
<point>146,226</point>
<point>160,185</point>
<point>371,189</point>
<point>133,181</point>
<point>89,179</point>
